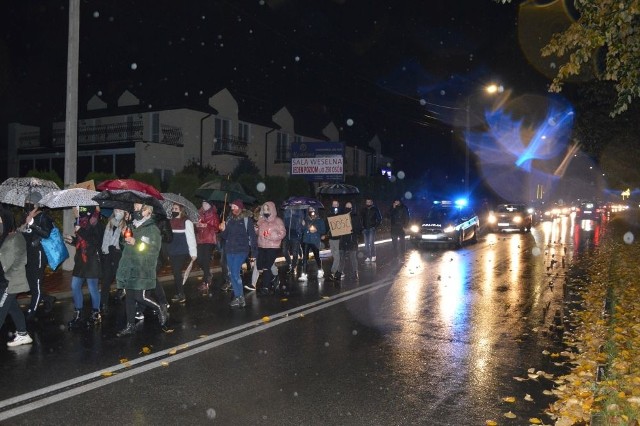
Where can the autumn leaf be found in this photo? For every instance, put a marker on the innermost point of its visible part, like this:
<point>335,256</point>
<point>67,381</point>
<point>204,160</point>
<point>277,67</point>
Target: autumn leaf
<point>509,399</point>
<point>146,350</point>
<point>535,421</point>
<point>491,423</point>
<point>509,415</point>
<point>266,319</point>
<point>106,374</point>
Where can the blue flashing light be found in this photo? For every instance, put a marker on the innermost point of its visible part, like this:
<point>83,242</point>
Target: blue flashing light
<point>461,202</point>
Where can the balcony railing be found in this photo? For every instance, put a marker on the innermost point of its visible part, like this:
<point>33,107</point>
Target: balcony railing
<point>29,140</point>
<point>229,145</point>
<point>171,135</point>
<point>114,133</point>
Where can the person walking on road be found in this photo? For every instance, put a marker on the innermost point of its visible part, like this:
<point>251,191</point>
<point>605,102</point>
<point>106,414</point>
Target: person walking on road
<point>399,219</point>
<point>271,231</point>
<point>111,254</point>
<point>314,230</point>
<point>182,249</point>
<point>371,219</point>
<point>334,241</point>
<point>292,242</point>
<point>88,242</point>
<point>207,229</point>
<point>13,277</point>
<point>37,226</point>
<point>349,246</point>
<point>137,269</point>
<point>240,242</point>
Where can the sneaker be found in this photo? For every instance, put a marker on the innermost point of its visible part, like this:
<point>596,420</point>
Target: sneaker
<point>94,319</point>
<point>249,287</point>
<point>320,273</point>
<point>20,339</point>
<point>367,260</point>
<point>302,277</point>
<point>179,298</point>
<point>373,259</point>
<point>238,302</point>
<point>127,331</point>
<point>163,315</point>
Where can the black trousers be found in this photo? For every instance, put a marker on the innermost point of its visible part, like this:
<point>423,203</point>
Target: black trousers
<point>305,255</point>
<point>398,241</point>
<point>204,260</point>
<point>110,262</point>
<point>139,297</point>
<point>36,263</point>
<point>177,263</point>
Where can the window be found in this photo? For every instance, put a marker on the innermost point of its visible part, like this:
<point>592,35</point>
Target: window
<point>282,148</point>
<point>222,128</point>
<point>155,127</point>
<point>243,131</point>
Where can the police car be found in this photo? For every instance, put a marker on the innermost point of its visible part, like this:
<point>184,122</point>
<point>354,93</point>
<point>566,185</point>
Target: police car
<point>447,222</point>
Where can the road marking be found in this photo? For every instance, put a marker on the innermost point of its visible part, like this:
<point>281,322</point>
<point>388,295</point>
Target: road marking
<point>33,400</point>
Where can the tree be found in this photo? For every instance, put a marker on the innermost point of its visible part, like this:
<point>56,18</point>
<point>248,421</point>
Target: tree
<point>607,28</point>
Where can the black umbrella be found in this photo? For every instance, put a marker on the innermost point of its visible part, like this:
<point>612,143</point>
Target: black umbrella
<point>301,203</point>
<point>124,200</point>
<point>338,189</point>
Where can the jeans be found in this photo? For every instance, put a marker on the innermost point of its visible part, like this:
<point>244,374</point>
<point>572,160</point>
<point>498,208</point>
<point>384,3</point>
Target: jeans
<point>9,305</point>
<point>234,263</point>
<point>398,242</point>
<point>369,242</point>
<point>334,246</point>
<point>78,297</point>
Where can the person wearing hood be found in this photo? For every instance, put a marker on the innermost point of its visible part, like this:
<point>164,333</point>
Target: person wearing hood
<point>314,230</point>
<point>182,249</point>
<point>87,241</point>
<point>334,241</point>
<point>207,228</point>
<point>271,231</point>
<point>13,277</point>
<point>37,225</point>
<point>137,269</point>
<point>111,254</point>
<point>240,242</point>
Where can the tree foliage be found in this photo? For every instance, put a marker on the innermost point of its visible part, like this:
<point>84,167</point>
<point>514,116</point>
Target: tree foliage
<point>606,30</point>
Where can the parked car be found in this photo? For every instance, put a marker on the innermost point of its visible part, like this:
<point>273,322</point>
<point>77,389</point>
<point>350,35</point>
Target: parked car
<point>589,210</point>
<point>509,217</point>
<point>446,222</point>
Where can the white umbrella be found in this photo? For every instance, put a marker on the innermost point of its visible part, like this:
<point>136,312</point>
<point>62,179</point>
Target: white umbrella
<point>170,198</point>
<point>16,190</point>
<point>71,197</point>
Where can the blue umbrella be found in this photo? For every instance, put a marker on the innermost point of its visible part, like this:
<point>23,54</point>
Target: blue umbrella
<point>301,203</point>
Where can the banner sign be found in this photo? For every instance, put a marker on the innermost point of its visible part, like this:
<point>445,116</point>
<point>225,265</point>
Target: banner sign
<point>318,161</point>
<point>340,224</point>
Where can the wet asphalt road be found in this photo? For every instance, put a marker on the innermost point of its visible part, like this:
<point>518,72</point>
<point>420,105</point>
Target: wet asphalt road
<point>435,340</point>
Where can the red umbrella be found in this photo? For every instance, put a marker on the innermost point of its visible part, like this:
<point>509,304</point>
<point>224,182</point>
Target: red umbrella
<point>131,185</point>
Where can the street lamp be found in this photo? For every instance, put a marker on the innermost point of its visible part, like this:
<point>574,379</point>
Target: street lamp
<point>490,89</point>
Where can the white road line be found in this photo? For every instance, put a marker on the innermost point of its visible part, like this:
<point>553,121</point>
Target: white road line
<point>144,364</point>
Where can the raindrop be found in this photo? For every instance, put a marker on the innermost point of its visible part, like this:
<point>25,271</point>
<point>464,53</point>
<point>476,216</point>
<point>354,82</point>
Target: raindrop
<point>204,17</point>
<point>404,68</point>
<point>99,92</point>
<point>110,18</point>
<point>211,414</point>
<point>201,92</point>
<point>295,394</point>
<point>261,2</point>
<point>628,237</point>
<point>260,187</point>
<point>297,58</point>
<point>442,93</point>
<point>326,344</point>
<point>96,14</point>
<point>423,102</point>
<point>221,44</point>
<point>536,251</point>
<point>354,332</point>
<point>349,122</point>
<point>392,178</point>
<point>408,195</point>
<point>388,164</point>
<point>250,31</point>
<point>552,65</point>
<point>202,43</point>
<point>150,106</point>
<point>186,93</point>
<point>401,174</point>
<point>134,66</point>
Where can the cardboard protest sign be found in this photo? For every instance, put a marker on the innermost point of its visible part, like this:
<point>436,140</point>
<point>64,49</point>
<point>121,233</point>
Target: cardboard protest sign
<point>340,224</point>
<point>88,184</point>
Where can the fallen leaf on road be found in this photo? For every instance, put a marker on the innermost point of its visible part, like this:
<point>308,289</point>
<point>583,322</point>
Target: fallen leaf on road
<point>520,379</point>
<point>509,399</point>
<point>123,360</point>
<point>146,350</point>
<point>491,423</point>
<point>266,319</point>
<point>528,397</point>
<point>535,421</point>
<point>509,415</point>
<point>106,374</point>
<point>164,364</point>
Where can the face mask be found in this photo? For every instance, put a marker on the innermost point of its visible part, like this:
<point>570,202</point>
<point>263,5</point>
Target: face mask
<point>137,215</point>
<point>347,209</point>
<point>266,215</point>
<point>335,210</point>
<point>118,216</point>
<point>206,206</point>
<point>175,214</point>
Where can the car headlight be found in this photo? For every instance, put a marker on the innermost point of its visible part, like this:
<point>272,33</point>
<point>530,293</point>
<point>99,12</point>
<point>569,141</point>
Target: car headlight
<point>414,228</point>
<point>491,219</point>
<point>517,219</point>
<point>449,229</point>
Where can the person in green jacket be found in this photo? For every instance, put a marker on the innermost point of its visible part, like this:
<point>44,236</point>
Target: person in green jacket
<point>137,269</point>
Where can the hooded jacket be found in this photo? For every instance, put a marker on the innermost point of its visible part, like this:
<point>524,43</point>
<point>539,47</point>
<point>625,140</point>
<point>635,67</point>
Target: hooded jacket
<point>13,257</point>
<point>137,268</point>
<point>207,226</point>
<point>238,238</point>
<point>271,229</point>
<point>318,223</point>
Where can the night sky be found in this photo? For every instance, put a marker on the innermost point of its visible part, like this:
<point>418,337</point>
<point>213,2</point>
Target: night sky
<point>401,69</point>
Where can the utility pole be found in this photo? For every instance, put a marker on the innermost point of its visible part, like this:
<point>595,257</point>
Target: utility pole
<point>71,120</point>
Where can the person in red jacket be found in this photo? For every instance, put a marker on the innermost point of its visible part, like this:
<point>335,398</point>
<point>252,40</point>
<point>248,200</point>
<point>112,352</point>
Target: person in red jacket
<point>207,228</point>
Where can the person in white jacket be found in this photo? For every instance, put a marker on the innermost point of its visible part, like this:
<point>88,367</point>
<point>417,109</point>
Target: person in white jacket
<point>182,249</point>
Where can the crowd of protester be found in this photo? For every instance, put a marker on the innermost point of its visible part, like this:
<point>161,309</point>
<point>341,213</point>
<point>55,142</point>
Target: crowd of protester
<point>128,249</point>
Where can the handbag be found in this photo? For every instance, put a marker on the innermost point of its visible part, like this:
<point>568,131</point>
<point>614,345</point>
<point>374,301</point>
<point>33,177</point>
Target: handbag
<point>55,248</point>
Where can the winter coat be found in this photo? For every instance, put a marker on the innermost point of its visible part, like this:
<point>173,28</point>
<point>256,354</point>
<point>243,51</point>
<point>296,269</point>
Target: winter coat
<point>399,217</point>
<point>137,268</point>
<point>34,232</point>
<point>350,241</point>
<point>184,238</point>
<point>271,230</point>
<point>371,217</point>
<point>309,237</point>
<point>238,237</point>
<point>88,243</point>
<point>207,226</point>
<point>332,213</point>
<point>13,258</point>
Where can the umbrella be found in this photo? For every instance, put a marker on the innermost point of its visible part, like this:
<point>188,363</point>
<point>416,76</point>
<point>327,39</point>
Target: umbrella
<point>338,189</point>
<point>124,200</point>
<point>16,190</point>
<point>171,198</point>
<point>301,203</point>
<point>69,198</point>
<point>223,190</point>
<point>129,185</point>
